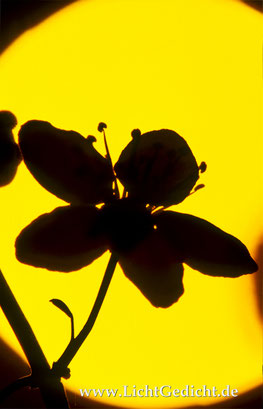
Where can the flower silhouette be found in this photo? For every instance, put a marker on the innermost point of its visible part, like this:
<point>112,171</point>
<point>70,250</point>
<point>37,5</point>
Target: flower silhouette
<point>157,170</point>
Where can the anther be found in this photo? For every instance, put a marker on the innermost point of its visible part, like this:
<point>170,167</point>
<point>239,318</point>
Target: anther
<point>202,167</point>
<point>199,187</point>
<point>91,138</point>
<point>101,126</point>
<point>135,133</point>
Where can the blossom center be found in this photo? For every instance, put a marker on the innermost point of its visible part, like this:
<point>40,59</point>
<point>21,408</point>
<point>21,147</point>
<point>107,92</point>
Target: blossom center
<point>126,223</point>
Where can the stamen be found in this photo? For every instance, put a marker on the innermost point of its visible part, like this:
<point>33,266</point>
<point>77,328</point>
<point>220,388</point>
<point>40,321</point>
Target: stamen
<point>91,138</point>
<point>135,133</point>
<point>202,167</point>
<point>198,187</point>
<point>101,128</point>
<point>158,209</point>
<point>201,186</point>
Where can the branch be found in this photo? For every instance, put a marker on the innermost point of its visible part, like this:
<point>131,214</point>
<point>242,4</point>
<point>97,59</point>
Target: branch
<point>51,388</point>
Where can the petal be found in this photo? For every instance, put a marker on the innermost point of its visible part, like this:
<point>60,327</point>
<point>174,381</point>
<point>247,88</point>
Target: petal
<point>151,267</point>
<point>10,156</point>
<point>203,246</point>
<point>158,168</point>
<point>64,240</point>
<point>65,163</point>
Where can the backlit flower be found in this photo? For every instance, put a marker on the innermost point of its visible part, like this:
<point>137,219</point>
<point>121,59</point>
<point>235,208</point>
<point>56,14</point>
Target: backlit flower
<point>157,170</point>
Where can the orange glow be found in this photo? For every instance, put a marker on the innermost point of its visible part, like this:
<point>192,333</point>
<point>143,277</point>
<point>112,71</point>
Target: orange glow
<point>193,67</point>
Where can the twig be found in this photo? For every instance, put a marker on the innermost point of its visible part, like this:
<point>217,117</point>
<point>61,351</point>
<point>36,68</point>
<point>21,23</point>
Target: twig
<point>51,388</point>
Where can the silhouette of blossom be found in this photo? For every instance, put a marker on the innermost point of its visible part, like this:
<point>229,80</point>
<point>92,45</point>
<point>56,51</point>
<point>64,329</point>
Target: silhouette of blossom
<point>157,170</point>
<point>10,156</point>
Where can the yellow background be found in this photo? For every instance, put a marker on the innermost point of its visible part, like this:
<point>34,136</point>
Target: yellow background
<point>193,67</point>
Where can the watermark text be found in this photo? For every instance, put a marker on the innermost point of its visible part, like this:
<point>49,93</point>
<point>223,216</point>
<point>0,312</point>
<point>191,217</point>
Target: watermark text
<point>165,391</point>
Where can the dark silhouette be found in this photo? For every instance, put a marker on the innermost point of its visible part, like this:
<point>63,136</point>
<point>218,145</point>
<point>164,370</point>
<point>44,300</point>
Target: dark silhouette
<point>18,16</point>
<point>258,278</point>
<point>62,162</point>
<point>151,244</point>
<point>13,367</point>
<point>136,250</point>
<point>157,170</point>
<point>10,156</point>
<point>49,384</point>
<point>256,4</point>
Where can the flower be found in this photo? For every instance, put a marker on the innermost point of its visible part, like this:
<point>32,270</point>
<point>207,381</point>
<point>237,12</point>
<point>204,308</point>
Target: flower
<point>157,170</point>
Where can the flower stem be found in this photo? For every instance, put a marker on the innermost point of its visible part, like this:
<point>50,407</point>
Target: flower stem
<point>51,388</point>
<point>61,365</point>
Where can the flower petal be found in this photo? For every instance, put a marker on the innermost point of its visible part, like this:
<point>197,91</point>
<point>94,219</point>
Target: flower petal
<point>152,268</point>
<point>10,156</point>
<point>65,163</point>
<point>203,246</point>
<point>64,240</point>
<point>158,168</point>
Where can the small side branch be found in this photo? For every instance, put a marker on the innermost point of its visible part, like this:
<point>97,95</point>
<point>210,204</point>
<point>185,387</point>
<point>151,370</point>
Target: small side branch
<point>51,388</point>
